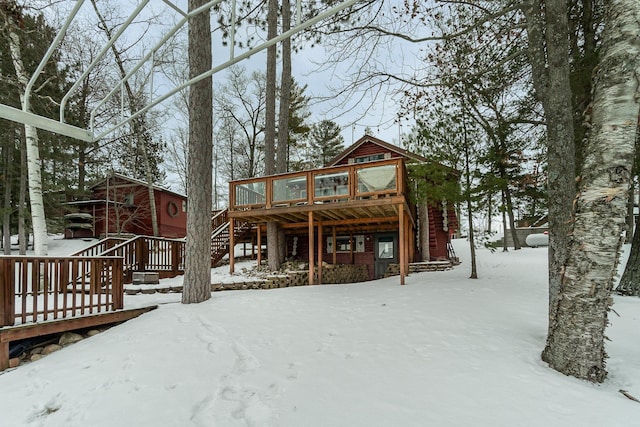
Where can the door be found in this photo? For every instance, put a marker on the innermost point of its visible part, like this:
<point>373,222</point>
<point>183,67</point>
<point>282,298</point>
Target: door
<point>385,251</point>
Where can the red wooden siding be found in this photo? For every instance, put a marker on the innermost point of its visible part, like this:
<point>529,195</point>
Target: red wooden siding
<point>368,148</point>
<point>129,212</point>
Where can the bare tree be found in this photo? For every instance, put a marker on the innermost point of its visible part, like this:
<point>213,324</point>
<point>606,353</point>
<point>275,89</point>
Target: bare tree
<point>140,129</point>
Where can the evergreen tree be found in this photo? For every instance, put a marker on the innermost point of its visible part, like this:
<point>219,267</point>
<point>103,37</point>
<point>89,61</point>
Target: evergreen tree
<point>325,143</point>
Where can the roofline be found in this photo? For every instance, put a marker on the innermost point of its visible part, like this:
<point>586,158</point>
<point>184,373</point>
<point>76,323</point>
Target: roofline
<point>388,146</point>
<point>135,181</point>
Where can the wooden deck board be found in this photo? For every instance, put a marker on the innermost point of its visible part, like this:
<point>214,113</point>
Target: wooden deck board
<point>14,333</point>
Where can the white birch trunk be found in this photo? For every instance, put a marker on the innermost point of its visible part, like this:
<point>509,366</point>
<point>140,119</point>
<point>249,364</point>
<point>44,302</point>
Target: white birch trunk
<point>38,220</point>
<point>575,345</point>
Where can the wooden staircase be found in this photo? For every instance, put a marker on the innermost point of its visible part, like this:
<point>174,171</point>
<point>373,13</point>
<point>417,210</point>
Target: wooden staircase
<point>220,235</point>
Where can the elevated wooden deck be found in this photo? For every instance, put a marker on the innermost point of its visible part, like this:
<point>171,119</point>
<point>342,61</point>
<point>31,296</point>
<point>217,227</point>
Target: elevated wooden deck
<point>340,195</point>
<point>370,196</point>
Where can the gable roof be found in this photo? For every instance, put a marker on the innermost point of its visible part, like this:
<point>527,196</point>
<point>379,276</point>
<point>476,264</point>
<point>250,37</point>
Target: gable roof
<point>379,142</point>
<point>133,181</point>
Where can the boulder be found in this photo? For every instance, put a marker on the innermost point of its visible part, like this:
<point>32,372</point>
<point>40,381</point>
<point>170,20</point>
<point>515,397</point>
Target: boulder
<point>51,348</point>
<point>69,338</point>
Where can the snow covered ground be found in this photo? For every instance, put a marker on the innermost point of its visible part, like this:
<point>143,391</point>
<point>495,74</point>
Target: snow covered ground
<point>443,350</point>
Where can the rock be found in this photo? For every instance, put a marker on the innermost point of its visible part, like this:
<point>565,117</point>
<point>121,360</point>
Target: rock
<point>70,338</point>
<point>35,357</point>
<point>13,362</point>
<point>36,350</point>
<point>93,332</point>
<point>48,350</point>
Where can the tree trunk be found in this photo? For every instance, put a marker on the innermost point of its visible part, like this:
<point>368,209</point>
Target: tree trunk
<point>472,242</point>
<point>8,178</point>
<point>23,235</point>
<point>38,220</point>
<point>197,274</point>
<point>423,218</point>
<point>512,222</point>
<point>552,86</point>
<point>575,345</point>
<point>283,114</point>
<point>489,212</point>
<point>505,247</point>
<point>630,280</point>
<point>629,235</point>
<point>273,251</point>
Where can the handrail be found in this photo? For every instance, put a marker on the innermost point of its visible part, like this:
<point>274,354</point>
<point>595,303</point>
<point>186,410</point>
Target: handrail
<point>99,247</point>
<point>42,288</point>
<point>149,253</point>
<point>344,183</point>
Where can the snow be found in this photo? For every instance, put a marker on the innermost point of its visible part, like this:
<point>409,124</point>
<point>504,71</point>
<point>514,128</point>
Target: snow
<point>443,350</point>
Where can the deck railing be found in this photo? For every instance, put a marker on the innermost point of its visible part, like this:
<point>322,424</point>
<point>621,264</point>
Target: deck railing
<point>327,185</point>
<point>146,253</point>
<point>100,246</point>
<point>34,289</point>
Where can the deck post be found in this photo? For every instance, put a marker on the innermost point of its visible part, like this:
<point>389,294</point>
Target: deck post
<point>319,252</point>
<point>7,293</point>
<point>402,243</point>
<point>117,290</point>
<point>175,257</point>
<point>4,355</point>
<point>259,237</point>
<point>311,244</point>
<point>333,245</point>
<point>232,244</point>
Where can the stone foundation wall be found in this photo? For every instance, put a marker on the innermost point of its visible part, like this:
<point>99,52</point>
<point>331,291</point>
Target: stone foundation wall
<point>419,267</point>
<point>344,273</point>
<point>331,274</point>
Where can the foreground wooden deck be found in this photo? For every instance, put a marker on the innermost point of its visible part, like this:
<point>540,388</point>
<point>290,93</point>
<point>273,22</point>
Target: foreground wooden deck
<point>46,295</point>
<point>14,333</point>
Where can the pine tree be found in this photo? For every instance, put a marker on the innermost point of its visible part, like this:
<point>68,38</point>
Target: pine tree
<point>325,143</point>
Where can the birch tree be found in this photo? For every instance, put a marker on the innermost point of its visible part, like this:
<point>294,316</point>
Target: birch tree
<point>11,15</point>
<point>575,345</point>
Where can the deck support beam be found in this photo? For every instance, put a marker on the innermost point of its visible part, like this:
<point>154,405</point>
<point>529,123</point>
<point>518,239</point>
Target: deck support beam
<point>232,244</point>
<point>402,242</point>
<point>259,237</point>
<point>333,245</point>
<point>319,252</point>
<point>311,244</point>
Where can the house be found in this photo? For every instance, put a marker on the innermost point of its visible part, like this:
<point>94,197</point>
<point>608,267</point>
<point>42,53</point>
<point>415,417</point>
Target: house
<point>355,211</point>
<point>119,205</point>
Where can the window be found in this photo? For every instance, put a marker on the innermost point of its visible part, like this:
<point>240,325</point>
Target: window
<point>385,248</point>
<point>128,200</point>
<point>370,158</point>
<point>344,244</point>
